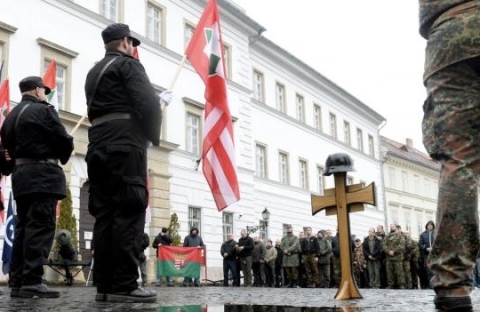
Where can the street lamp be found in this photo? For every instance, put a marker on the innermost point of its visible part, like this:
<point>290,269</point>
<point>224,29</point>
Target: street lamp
<point>263,226</point>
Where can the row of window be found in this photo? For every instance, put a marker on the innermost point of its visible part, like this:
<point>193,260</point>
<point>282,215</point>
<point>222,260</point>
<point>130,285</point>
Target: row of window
<point>410,220</point>
<point>428,189</point>
<point>281,105</point>
<point>261,169</point>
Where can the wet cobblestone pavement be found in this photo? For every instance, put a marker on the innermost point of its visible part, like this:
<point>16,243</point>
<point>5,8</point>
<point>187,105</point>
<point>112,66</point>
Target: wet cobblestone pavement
<point>213,299</point>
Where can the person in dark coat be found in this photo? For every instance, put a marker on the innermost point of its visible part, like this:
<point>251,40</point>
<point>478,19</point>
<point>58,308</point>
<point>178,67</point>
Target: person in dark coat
<point>142,259</point>
<point>125,114</point>
<point>425,244</point>
<point>227,250</point>
<point>192,240</point>
<point>163,238</point>
<point>279,276</point>
<point>37,142</point>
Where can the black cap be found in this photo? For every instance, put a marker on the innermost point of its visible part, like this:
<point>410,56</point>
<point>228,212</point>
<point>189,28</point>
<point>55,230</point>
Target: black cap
<point>118,31</point>
<point>32,82</point>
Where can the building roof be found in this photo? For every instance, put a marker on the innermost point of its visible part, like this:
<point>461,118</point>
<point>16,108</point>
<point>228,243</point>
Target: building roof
<point>408,152</point>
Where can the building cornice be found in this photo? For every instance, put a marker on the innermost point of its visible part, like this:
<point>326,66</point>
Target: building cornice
<point>8,28</point>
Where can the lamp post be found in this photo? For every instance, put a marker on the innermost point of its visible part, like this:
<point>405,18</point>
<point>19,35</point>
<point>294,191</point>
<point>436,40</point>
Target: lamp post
<point>264,226</point>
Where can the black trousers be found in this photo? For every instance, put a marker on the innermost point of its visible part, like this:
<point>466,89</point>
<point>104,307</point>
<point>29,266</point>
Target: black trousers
<point>33,238</point>
<point>118,199</point>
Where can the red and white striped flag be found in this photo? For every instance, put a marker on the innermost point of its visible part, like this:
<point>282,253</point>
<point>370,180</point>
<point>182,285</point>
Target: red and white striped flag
<point>205,52</point>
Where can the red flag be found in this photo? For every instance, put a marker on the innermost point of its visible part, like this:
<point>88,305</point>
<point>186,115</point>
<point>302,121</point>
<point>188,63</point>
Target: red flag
<point>4,100</point>
<point>135,53</point>
<point>205,52</point>
<point>50,80</point>
<point>4,110</point>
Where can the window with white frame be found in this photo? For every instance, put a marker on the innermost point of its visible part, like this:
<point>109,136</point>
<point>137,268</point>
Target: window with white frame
<point>63,58</point>
<point>333,125</point>
<point>360,139</point>
<point>320,179</point>
<point>394,216</point>
<point>258,85</point>
<point>193,133</point>
<point>416,184</point>
<point>350,180</point>
<point>5,31</point>
<point>392,177</point>
<point>303,174</point>
<point>407,218</point>
<point>420,224</point>
<point>280,97</point>
<point>317,117</point>
<point>371,146</point>
<point>188,31</point>
<point>346,133</point>
<point>426,187</point>
<point>60,77</point>
<point>154,22</point>
<point>283,170</point>
<point>227,224</point>
<point>110,9</point>
<point>261,160</point>
<point>404,181</point>
<point>227,57</point>
<point>194,218</point>
<point>300,108</point>
<point>263,232</point>
<point>284,229</point>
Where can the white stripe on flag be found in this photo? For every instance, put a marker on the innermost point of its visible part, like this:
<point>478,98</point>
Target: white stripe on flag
<point>224,185</point>
<point>211,120</point>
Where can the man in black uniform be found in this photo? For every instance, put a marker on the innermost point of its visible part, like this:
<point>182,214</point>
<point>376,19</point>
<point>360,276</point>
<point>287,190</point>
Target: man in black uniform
<point>125,113</point>
<point>36,141</point>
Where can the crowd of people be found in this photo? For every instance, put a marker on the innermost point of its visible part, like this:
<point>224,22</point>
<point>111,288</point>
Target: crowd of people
<point>390,260</point>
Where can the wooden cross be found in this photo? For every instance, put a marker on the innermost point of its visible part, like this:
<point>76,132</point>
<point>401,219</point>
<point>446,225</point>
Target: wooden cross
<point>342,200</point>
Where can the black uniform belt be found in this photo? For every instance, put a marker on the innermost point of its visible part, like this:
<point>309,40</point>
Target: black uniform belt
<point>110,117</point>
<point>24,161</point>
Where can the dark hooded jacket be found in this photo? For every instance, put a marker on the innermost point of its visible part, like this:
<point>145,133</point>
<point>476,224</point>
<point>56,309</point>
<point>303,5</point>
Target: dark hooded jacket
<point>426,238</point>
<point>193,240</point>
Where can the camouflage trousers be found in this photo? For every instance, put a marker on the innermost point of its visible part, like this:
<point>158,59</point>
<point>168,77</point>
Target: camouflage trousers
<point>451,135</point>
<point>407,272</point>
<point>395,275</point>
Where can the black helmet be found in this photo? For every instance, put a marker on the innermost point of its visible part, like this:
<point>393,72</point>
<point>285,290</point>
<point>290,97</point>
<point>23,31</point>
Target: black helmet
<point>339,162</point>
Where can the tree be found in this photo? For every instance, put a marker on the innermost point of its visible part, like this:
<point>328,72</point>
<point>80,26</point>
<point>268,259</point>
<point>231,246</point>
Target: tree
<point>66,219</point>
<point>173,230</point>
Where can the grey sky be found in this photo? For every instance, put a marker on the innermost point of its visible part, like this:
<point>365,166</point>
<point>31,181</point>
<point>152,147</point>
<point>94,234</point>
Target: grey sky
<point>371,48</point>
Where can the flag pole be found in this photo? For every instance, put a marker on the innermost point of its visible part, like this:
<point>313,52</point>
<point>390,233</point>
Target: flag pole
<point>172,84</point>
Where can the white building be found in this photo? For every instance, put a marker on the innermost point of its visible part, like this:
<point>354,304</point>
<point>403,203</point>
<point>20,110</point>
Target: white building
<point>287,117</point>
<point>411,186</point>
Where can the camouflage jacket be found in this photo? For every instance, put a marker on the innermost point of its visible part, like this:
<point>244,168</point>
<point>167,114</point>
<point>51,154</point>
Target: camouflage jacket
<point>452,30</point>
<point>359,262</point>
<point>395,242</point>
<point>409,252</point>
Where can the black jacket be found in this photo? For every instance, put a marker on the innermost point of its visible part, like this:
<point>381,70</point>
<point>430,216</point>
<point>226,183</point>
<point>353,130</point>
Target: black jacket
<point>377,249</point>
<point>229,248</point>
<point>123,88</point>
<point>164,239</point>
<point>145,241</point>
<point>309,246</point>
<point>247,243</point>
<point>39,136</point>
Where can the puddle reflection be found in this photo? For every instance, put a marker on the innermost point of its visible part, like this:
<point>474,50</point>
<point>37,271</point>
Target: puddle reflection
<point>254,308</point>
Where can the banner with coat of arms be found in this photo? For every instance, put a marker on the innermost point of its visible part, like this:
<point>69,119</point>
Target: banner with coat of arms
<point>180,261</point>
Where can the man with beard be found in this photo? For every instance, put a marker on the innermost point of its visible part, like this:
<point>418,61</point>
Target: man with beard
<point>394,247</point>
<point>192,240</point>
<point>227,250</point>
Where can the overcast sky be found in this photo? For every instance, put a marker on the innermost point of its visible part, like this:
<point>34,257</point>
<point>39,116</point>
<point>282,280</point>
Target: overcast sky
<point>372,49</point>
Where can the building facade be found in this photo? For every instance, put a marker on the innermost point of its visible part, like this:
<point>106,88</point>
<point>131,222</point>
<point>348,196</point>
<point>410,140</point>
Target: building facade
<point>411,185</point>
<point>287,117</point>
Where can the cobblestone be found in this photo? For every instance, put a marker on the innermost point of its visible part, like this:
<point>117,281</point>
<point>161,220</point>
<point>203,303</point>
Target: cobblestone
<point>78,298</point>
